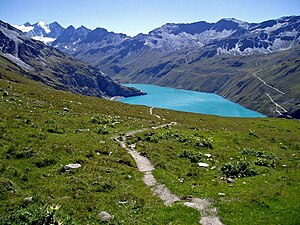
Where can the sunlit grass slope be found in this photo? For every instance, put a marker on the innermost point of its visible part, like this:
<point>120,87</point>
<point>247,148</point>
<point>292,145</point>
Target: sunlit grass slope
<point>42,130</point>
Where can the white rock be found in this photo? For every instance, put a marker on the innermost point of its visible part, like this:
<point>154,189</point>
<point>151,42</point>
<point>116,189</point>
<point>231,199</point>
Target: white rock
<point>221,194</point>
<point>230,180</point>
<point>28,199</point>
<point>123,202</point>
<point>205,165</point>
<point>104,216</point>
<point>72,166</point>
<point>208,155</point>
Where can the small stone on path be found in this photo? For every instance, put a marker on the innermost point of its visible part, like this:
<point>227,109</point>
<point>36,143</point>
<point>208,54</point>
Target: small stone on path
<point>209,220</point>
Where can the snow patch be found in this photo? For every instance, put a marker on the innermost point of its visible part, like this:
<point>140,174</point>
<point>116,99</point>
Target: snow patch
<point>23,28</point>
<point>241,24</point>
<point>269,29</point>
<point>171,42</point>
<point>277,45</point>
<point>45,40</point>
<point>44,26</point>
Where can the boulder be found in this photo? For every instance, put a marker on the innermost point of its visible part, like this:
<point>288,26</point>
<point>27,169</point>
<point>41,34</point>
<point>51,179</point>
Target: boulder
<point>104,216</point>
<point>72,166</point>
<point>28,199</point>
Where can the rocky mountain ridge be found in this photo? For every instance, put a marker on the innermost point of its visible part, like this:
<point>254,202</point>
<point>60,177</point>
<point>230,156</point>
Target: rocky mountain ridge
<point>42,31</point>
<point>230,35</point>
<point>185,56</point>
<point>54,68</point>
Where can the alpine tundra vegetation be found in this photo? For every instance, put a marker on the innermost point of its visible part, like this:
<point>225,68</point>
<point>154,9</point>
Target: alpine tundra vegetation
<point>251,165</point>
<point>71,154</point>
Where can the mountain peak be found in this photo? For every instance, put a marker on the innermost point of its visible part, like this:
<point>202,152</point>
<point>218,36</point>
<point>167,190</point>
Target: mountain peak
<point>24,28</point>
<point>41,31</point>
<point>62,73</point>
<point>83,28</point>
<point>100,30</point>
<point>44,26</point>
<point>71,27</point>
<point>55,24</point>
<point>233,20</point>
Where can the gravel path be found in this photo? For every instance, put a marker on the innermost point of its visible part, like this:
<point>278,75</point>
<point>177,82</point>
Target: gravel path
<point>278,108</point>
<point>144,165</point>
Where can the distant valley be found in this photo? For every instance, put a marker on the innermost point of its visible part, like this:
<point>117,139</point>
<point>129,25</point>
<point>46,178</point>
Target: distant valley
<point>245,62</point>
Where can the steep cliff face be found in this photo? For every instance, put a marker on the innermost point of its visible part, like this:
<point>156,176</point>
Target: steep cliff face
<point>56,69</point>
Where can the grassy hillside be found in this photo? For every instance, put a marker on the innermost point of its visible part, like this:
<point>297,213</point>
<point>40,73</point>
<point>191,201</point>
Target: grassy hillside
<point>227,75</point>
<point>42,129</point>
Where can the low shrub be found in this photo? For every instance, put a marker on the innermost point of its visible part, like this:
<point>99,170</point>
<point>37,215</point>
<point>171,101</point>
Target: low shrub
<point>103,130</point>
<point>175,135</point>
<point>265,162</point>
<point>45,163</point>
<point>203,143</point>
<point>19,152</point>
<point>194,157</point>
<point>34,214</point>
<point>241,168</point>
<point>55,130</point>
<point>260,153</point>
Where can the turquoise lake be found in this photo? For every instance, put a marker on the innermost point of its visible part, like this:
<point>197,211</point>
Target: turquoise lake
<point>188,101</point>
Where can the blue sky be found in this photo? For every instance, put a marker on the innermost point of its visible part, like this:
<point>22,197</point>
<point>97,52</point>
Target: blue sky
<point>141,16</point>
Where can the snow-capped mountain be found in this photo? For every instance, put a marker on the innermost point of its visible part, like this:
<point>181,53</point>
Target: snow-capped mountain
<point>91,45</point>
<point>50,66</point>
<point>69,37</point>
<point>230,35</point>
<point>42,31</point>
<point>221,57</point>
<point>227,36</point>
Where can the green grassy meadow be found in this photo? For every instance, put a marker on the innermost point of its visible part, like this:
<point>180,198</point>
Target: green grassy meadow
<point>42,129</point>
